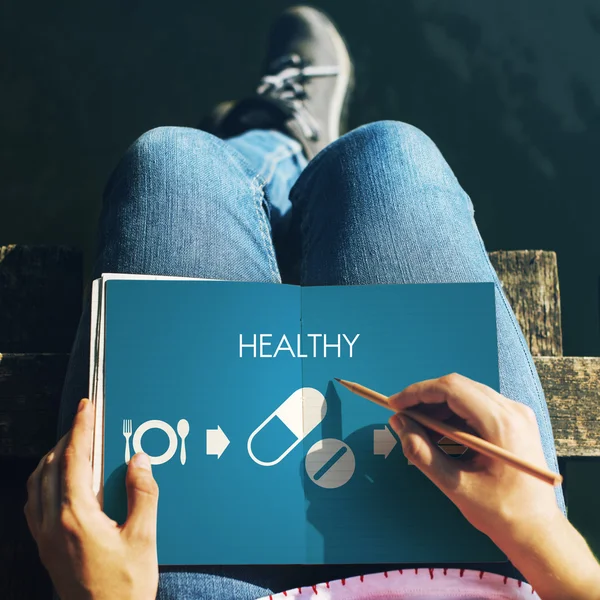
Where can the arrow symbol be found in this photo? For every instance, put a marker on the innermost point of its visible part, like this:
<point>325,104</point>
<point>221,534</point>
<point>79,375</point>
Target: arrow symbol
<point>216,442</point>
<point>383,442</point>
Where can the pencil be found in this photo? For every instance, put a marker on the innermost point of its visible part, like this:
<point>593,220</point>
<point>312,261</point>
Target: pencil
<point>462,437</point>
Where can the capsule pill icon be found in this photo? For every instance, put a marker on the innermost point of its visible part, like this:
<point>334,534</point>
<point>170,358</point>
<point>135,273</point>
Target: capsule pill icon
<point>300,413</point>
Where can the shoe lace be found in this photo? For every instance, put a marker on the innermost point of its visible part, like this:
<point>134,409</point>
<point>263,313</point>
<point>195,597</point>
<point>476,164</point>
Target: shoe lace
<point>287,85</point>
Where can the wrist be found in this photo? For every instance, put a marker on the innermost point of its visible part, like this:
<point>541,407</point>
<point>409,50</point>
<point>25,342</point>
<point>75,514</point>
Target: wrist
<point>552,556</point>
<point>523,530</point>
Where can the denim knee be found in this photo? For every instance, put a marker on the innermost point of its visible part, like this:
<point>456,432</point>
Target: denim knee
<point>395,146</point>
<point>390,158</point>
<point>402,139</point>
<point>159,155</point>
<point>168,139</point>
<point>184,202</point>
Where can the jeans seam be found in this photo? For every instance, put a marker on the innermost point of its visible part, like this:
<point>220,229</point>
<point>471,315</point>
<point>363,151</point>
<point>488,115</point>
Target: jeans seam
<point>303,242</point>
<point>312,165</point>
<point>271,161</point>
<point>238,159</point>
<point>258,185</point>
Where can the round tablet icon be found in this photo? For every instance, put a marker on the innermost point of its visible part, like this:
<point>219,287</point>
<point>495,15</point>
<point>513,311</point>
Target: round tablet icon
<point>330,463</point>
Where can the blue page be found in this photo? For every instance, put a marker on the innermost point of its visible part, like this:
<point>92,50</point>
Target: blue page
<point>264,481</point>
<point>172,353</point>
<point>367,504</point>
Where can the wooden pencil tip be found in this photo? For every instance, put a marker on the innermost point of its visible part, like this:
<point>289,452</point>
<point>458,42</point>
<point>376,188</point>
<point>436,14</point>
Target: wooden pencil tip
<point>338,380</point>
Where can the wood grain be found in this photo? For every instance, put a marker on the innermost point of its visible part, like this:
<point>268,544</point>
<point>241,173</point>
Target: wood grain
<point>571,385</point>
<point>530,281</point>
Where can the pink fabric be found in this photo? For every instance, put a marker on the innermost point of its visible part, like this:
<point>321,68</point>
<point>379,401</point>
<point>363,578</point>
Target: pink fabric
<point>416,584</point>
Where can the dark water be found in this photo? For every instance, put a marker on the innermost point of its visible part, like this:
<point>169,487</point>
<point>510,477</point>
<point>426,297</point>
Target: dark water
<point>510,92</point>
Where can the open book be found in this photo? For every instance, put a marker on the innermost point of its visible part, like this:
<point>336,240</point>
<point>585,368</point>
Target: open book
<point>260,456</point>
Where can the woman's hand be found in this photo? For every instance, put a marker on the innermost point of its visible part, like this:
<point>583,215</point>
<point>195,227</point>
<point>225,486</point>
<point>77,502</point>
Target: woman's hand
<point>87,554</point>
<point>517,511</point>
<point>495,497</point>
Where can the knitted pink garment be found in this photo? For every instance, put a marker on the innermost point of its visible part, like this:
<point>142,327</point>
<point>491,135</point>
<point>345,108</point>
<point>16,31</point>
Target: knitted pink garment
<point>416,584</point>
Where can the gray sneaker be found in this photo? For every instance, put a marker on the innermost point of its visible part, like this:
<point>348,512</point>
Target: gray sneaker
<point>306,87</point>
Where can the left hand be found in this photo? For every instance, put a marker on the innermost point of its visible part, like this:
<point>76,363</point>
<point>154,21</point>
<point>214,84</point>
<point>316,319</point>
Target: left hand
<point>87,554</point>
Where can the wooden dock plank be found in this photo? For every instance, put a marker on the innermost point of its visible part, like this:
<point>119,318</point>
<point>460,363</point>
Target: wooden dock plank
<point>572,392</point>
<point>530,281</point>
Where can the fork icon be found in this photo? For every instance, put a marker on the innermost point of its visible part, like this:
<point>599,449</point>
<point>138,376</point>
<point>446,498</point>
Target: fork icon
<point>127,434</point>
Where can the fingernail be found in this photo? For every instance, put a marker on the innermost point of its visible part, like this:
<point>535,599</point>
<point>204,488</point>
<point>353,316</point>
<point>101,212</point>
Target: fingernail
<point>82,404</point>
<point>142,461</point>
<point>398,423</point>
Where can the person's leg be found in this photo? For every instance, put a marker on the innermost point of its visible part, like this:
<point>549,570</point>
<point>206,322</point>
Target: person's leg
<point>182,202</point>
<point>278,161</point>
<point>381,205</point>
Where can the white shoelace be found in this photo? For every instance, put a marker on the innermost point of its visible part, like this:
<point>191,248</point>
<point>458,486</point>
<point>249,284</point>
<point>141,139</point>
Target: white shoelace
<point>287,86</point>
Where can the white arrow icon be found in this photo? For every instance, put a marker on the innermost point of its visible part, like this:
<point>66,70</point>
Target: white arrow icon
<point>216,442</point>
<point>383,442</point>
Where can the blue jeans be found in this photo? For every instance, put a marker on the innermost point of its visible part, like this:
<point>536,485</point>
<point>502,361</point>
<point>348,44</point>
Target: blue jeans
<point>379,205</point>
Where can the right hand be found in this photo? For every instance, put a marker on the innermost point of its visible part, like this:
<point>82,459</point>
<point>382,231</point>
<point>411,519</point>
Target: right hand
<point>494,497</point>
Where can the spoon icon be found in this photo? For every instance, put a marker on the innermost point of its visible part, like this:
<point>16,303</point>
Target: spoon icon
<point>183,428</point>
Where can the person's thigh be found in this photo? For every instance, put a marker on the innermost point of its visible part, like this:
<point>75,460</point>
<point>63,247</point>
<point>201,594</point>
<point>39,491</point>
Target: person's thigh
<point>182,203</point>
<point>380,206</point>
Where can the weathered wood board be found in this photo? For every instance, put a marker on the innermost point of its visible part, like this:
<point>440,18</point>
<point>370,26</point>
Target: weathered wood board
<point>530,281</point>
<point>571,385</point>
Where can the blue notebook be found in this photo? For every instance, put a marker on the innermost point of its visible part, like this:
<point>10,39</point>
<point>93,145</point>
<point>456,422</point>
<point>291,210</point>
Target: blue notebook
<point>260,455</point>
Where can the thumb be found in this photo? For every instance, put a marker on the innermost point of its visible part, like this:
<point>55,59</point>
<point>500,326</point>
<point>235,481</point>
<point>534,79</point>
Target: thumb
<point>423,453</point>
<point>142,499</point>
